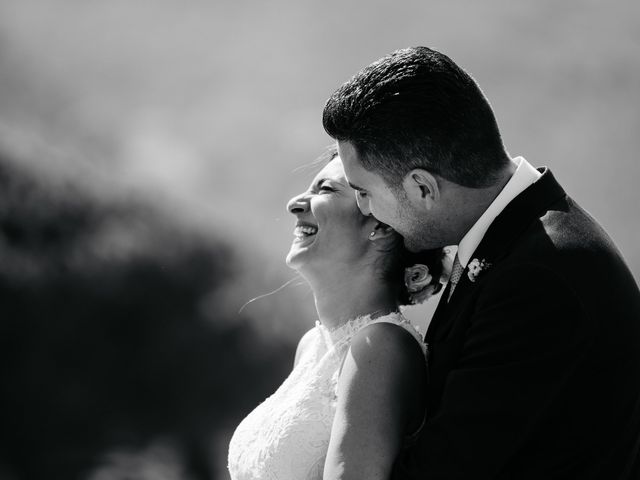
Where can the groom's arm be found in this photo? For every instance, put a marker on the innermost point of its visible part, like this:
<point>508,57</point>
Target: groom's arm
<point>525,338</point>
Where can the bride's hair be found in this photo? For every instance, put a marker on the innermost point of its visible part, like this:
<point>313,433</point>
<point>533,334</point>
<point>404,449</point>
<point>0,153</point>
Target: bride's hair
<point>396,259</point>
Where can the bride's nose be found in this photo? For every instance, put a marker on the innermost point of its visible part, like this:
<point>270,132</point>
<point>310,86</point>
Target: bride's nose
<point>298,204</point>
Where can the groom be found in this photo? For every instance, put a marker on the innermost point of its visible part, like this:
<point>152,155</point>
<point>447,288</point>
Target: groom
<point>534,350</point>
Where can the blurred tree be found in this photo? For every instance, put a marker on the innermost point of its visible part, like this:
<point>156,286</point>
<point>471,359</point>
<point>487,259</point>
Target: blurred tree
<point>103,343</point>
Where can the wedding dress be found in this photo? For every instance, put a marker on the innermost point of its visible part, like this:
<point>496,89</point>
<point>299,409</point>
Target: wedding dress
<point>286,437</point>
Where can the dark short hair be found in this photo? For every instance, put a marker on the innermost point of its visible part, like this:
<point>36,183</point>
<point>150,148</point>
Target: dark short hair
<point>415,108</point>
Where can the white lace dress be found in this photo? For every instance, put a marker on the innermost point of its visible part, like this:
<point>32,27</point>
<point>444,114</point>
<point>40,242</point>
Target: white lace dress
<point>286,437</point>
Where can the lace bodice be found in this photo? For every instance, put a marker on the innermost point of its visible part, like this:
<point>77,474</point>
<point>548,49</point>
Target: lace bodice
<point>286,437</point>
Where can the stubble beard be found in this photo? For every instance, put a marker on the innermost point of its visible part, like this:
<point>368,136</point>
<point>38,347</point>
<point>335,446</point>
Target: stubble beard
<point>420,234</point>
<point>420,243</point>
<point>413,232</point>
<point>418,239</point>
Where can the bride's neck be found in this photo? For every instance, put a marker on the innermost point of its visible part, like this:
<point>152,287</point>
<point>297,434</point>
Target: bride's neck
<point>345,297</point>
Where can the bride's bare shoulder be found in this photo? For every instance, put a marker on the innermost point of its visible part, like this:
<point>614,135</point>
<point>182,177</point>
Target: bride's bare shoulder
<point>384,342</point>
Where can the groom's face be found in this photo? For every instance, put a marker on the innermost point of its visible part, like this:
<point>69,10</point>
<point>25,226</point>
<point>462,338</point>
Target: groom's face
<point>375,197</point>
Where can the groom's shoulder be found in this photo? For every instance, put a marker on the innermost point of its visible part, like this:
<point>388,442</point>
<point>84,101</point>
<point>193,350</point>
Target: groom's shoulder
<point>568,241</point>
<point>545,223</point>
<point>566,232</point>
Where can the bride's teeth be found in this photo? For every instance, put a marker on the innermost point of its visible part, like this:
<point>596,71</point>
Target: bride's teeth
<point>305,230</point>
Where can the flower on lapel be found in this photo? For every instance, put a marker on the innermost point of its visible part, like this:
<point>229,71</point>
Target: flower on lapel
<point>476,267</point>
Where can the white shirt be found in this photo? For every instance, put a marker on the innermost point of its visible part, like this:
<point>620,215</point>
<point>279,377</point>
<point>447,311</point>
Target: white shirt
<point>524,176</point>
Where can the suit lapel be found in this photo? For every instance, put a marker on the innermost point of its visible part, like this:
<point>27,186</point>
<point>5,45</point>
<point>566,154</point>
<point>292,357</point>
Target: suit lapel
<point>527,207</point>
<point>504,230</point>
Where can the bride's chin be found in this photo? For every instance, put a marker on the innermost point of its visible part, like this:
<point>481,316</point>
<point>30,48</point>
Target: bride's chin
<point>295,258</point>
<point>302,261</point>
<point>290,261</point>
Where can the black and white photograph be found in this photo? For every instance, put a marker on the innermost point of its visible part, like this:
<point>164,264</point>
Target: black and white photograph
<point>301,240</point>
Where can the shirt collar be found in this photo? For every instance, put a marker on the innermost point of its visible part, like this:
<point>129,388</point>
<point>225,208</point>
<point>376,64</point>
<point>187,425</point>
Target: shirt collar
<point>524,176</point>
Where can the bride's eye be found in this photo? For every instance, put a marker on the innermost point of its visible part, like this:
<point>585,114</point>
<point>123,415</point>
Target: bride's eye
<point>326,188</point>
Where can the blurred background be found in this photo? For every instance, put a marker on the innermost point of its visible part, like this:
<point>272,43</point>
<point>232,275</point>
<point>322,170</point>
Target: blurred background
<point>147,150</point>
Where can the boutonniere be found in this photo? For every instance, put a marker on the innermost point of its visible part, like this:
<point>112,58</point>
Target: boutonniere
<point>476,267</point>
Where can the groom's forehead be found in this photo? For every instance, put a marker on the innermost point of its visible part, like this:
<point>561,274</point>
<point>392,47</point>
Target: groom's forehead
<point>347,152</point>
<point>358,176</point>
<point>352,166</point>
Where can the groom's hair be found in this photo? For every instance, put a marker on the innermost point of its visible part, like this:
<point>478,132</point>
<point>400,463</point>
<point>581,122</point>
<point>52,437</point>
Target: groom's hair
<point>415,108</point>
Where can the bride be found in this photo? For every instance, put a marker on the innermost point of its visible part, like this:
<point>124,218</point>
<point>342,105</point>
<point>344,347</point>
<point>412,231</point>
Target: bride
<point>356,395</point>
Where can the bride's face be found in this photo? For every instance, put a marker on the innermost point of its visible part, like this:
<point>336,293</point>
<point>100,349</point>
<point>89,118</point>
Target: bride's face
<point>330,229</point>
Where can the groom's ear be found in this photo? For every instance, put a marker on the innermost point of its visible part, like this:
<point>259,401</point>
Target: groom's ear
<point>422,188</point>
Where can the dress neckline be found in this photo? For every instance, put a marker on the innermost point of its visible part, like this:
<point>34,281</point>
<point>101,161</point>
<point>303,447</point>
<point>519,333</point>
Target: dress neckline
<point>350,327</point>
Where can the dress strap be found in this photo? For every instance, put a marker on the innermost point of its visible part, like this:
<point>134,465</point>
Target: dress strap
<point>401,321</point>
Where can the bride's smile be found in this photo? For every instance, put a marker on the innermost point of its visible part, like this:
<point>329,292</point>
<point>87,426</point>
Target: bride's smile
<point>305,232</point>
<point>329,227</point>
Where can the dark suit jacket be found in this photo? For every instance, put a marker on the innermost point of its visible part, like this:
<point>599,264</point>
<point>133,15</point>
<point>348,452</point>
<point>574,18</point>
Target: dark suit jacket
<point>534,367</point>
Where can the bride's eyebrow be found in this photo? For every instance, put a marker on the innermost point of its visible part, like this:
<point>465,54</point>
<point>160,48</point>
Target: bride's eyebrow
<point>319,183</point>
<point>355,187</point>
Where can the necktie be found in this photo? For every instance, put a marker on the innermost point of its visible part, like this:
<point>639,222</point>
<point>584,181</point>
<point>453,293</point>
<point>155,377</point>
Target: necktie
<point>456,273</point>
